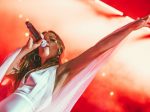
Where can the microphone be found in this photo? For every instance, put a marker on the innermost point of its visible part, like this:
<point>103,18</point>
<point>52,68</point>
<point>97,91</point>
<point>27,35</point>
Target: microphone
<point>36,34</point>
<point>33,31</point>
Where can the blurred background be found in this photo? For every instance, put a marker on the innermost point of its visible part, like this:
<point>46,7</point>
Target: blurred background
<point>122,85</point>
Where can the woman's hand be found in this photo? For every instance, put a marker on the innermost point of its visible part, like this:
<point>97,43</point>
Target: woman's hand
<point>31,45</point>
<point>142,22</point>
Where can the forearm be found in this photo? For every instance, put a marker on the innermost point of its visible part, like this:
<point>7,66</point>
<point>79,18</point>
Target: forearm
<point>29,47</point>
<point>15,64</point>
<point>116,37</point>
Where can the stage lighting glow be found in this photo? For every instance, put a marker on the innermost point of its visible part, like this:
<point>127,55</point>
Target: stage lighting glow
<point>103,74</point>
<point>4,82</point>
<point>66,60</point>
<point>26,34</point>
<point>126,72</point>
<point>111,93</point>
<point>27,19</point>
<point>20,16</point>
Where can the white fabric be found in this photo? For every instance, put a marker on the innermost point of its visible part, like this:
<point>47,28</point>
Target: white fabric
<point>64,100</point>
<point>36,90</point>
<point>7,63</point>
<point>39,87</point>
<point>16,103</point>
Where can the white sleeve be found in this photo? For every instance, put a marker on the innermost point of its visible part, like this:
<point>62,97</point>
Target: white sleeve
<point>64,100</point>
<point>7,63</point>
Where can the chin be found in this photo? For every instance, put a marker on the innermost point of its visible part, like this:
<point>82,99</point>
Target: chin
<point>46,53</point>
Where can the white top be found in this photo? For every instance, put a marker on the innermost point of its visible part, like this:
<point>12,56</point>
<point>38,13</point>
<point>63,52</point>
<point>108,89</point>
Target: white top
<point>38,87</point>
<point>40,84</point>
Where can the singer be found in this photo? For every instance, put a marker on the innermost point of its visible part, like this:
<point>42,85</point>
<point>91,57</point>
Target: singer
<point>41,82</point>
<point>40,71</point>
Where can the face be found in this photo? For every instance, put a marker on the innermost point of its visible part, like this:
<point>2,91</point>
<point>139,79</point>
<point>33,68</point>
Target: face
<point>51,49</point>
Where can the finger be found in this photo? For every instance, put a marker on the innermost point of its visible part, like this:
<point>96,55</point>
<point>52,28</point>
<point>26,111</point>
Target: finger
<point>147,21</point>
<point>37,44</point>
<point>42,36</point>
<point>30,43</point>
<point>148,25</point>
<point>146,18</point>
<point>31,35</point>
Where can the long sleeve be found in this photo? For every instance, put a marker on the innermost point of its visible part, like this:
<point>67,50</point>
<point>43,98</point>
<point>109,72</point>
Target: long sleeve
<point>65,98</point>
<point>7,63</point>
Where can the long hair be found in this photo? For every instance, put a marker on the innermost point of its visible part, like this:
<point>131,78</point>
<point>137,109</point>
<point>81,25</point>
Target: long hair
<point>32,61</point>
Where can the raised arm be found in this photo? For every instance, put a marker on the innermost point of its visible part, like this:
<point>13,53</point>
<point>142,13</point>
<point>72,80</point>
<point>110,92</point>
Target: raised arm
<point>113,39</point>
<point>30,46</point>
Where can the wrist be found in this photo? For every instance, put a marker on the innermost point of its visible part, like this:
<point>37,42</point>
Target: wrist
<point>139,23</point>
<point>23,52</point>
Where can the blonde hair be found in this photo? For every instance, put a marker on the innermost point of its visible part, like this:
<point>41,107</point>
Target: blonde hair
<point>32,61</point>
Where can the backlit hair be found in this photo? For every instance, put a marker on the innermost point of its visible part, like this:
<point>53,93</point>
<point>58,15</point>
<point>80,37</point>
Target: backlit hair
<point>32,61</point>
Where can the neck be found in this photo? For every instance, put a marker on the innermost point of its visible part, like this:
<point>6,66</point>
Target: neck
<point>53,60</point>
<point>44,59</point>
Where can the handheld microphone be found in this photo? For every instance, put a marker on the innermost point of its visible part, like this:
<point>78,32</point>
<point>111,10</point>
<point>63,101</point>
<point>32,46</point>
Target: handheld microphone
<point>36,34</point>
<point>33,31</point>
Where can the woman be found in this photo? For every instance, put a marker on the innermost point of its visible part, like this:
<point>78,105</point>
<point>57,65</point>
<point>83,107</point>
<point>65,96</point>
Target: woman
<point>41,72</point>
